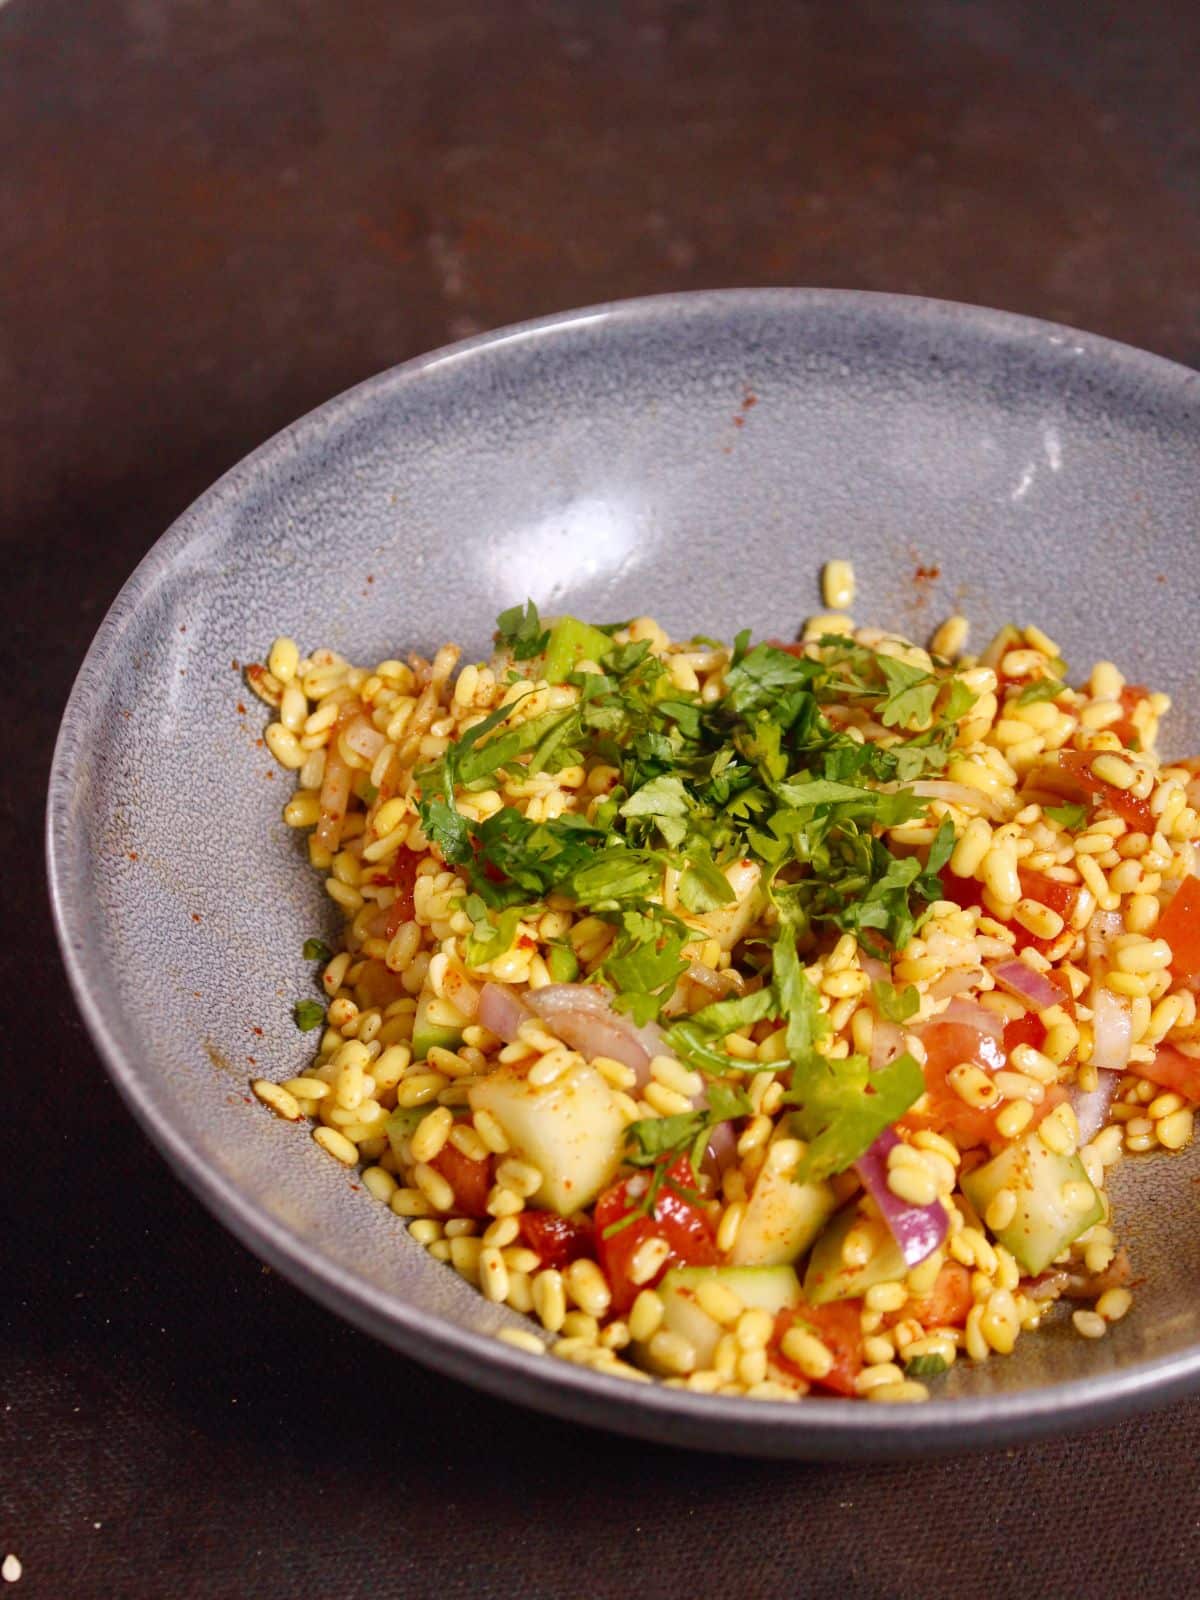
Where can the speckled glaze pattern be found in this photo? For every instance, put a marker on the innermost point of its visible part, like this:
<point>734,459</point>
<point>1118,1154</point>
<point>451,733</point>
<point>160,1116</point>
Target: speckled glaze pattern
<point>696,456</point>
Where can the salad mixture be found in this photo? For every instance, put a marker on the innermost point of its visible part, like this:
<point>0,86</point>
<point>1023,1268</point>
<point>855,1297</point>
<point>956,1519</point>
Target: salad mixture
<point>763,1017</point>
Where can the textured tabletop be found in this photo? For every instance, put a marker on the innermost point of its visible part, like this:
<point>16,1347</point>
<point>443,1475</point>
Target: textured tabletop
<point>214,214</point>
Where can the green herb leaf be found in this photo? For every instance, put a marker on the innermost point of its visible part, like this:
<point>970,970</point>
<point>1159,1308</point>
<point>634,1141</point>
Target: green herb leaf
<point>928,1366</point>
<point>520,630</point>
<point>317,950</point>
<point>897,1005</point>
<point>308,1014</point>
<point>843,1107</point>
<point>1040,689</point>
<point>911,694</point>
<point>1069,816</point>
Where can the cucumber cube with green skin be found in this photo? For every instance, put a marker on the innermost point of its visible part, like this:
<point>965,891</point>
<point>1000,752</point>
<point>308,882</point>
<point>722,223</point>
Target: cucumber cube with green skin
<point>829,1278</point>
<point>402,1124</point>
<point>771,1288</point>
<point>426,1035</point>
<point>782,1219</point>
<point>571,642</point>
<point>571,1130</point>
<point>1055,1200</point>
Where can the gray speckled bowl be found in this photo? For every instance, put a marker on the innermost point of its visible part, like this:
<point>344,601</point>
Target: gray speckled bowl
<point>696,456</point>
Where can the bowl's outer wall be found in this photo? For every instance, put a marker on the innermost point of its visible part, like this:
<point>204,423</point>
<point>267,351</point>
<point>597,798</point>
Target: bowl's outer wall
<point>697,458</point>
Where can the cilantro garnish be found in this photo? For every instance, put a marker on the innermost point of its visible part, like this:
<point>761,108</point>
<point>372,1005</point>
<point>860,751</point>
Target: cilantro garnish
<point>897,1005</point>
<point>520,629</point>
<point>928,1366</point>
<point>1070,816</point>
<point>764,774</point>
<point>1040,689</point>
<point>308,1014</point>
<point>658,1142</point>
<point>317,950</point>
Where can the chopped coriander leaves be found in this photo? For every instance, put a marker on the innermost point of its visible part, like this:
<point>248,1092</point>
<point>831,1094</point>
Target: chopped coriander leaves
<point>896,1005</point>
<point>317,950</point>
<point>308,1014</point>
<point>520,629</point>
<point>1070,816</point>
<point>927,1366</point>
<point>1040,689</point>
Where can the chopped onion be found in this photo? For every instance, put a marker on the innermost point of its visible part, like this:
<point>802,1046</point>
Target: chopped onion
<point>1091,1105</point>
<point>501,1011</point>
<point>582,1016</point>
<point>918,1230</point>
<point>1101,931</point>
<point>958,794</point>
<point>973,1015</point>
<point>1112,1030</point>
<point>722,1149</point>
<point>887,1042</point>
<point>1033,988</point>
<point>335,797</point>
<point>954,982</point>
<point>363,739</point>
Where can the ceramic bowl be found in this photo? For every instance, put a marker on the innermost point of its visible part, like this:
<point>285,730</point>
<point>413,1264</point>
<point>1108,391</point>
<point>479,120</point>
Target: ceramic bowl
<point>694,456</point>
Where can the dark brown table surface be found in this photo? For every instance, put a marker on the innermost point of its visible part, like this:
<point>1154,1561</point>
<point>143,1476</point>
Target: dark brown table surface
<point>215,214</point>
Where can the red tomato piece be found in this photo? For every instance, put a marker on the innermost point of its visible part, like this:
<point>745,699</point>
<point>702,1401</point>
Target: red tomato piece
<point>947,1303</point>
<point>946,1044</point>
<point>1173,1070</point>
<point>795,649</point>
<point>1132,696</point>
<point>557,1240</point>
<point>1060,897</point>
<point>676,1219</point>
<point>469,1179</point>
<point>1179,925</point>
<point>402,875</point>
<point>839,1328</point>
<point>1078,764</point>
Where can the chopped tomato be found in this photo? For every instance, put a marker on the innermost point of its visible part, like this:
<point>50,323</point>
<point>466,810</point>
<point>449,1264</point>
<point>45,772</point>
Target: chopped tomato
<point>676,1220</point>
<point>946,1044</point>
<point>1078,765</point>
<point>469,1179</point>
<point>402,875</point>
<point>1173,1070</point>
<point>838,1325</point>
<point>941,1109</point>
<point>1179,925</point>
<point>1060,897</point>
<point>1132,696</point>
<point>947,1303</point>
<point>557,1240</point>
<point>796,649</point>
<point>1029,1028</point>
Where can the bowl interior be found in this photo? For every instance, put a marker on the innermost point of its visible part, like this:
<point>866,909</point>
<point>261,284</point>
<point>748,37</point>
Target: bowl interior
<point>696,458</point>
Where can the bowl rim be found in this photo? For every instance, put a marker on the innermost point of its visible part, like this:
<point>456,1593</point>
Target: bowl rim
<point>833,1428</point>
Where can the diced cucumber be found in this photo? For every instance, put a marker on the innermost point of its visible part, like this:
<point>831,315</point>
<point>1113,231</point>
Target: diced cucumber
<point>829,1278</point>
<point>427,1034</point>
<point>571,642</point>
<point>726,924</point>
<point>782,1219</point>
<point>772,1288</point>
<point>402,1124</point>
<point>1055,1200</point>
<point>571,1130</point>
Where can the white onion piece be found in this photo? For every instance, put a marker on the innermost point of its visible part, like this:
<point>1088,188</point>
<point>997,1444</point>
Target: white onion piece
<point>582,1016</point>
<point>335,797</point>
<point>1091,1105</point>
<point>1101,931</point>
<point>501,1011</point>
<point>363,739</point>
<point>1112,1030</point>
<point>878,971</point>
<point>972,1015</point>
<point>958,794</point>
<point>954,982</point>
<point>1034,989</point>
<point>887,1042</point>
